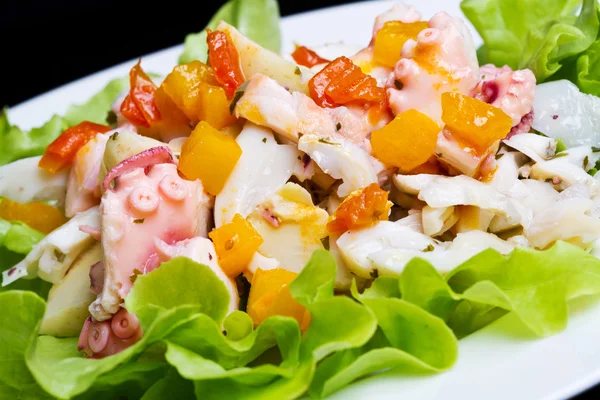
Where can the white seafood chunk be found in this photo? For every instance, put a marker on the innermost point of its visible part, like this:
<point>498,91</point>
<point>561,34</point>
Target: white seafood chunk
<point>566,218</point>
<point>568,168</point>
<point>263,168</point>
<point>386,249</point>
<point>291,227</point>
<point>52,257</point>
<point>341,159</point>
<point>438,220</point>
<point>23,181</point>
<point>563,112</point>
<point>536,147</point>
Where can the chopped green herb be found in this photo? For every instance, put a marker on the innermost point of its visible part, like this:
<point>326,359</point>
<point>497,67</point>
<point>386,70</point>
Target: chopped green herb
<point>264,140</point>
<point>586,161</point>
<point>327,141</point>
<point>499,156</point>
<point>338,126</point>
<point>559,155</point>
<point>560,146</point>
<point>138,221</point>
<point>134,275</point>
<point>111,118</point>
<point>595,149</point>
<point>325,242</point>
<point>298,71</point>
<point>428,248</point>
<point>59,255</point>
<point>114,136</point>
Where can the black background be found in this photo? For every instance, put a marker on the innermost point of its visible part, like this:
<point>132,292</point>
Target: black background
<point>46,43</point>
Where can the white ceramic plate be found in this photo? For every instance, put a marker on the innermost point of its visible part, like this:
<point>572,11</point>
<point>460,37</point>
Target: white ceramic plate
<point>502,361</point>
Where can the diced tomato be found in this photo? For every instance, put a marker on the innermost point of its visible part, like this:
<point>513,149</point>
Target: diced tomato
<point>139,107</point>
<point>342,82</point>
<point>132,113</point>
<point>306,57</point>
<point>224,59</point>
<point>60,153</point>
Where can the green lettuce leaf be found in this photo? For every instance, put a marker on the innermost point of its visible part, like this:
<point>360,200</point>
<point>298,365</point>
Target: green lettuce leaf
<point>243,14</point>
<point>178,282</point>
<point>96,108</point>
<point>16,144</point>
<point>170,386</point>
<point>18,237</point>
<point>337,323</point>
<point>58,366</point>
<point>533,284</point>
<point>534,34</point>
<point>587,70</point>
<point>409,339</point>
<point>20,318</point>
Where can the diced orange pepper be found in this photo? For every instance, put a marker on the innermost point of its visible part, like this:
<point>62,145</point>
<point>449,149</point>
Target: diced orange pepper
<point>235,244</point>
<point>432,166</point>
<point>390,39</point>
<point>39,216</point>
<point>196,92</point>
<point>224,58</point>
<point>270,295</point>
<point>406,142</point>
<point>139,106</point>
<point>307,58</point>
<point>361,209</point>
<point>342,82</point>
<point>60,153</point>
<point>171,115</point>
<point>215,106</point>
<point>209,155</point>
<point>473,121</point>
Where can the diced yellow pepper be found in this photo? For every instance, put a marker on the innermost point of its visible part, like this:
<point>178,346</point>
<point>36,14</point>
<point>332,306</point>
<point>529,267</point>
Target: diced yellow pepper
<point>39,216</point>
<point>390,39</point>
<point>407,142</point>
<point>196,92</point>
<point>215,106</point>
<point>270,295</point>
<point>209,155</point>
<point>473,121</point>
<point>235,244</point>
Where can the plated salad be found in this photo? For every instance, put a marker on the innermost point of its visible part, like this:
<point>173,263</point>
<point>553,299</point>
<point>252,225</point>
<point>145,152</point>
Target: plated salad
<point>266,225</point>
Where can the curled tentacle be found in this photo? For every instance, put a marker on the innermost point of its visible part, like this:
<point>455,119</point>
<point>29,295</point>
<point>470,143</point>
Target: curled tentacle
<point>155,155</point>
<point>442,59</point>
<point>99,339</point>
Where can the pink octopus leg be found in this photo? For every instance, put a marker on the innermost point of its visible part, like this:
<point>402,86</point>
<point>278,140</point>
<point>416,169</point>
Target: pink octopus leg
<point>512,91</point>
<point>99,339</point>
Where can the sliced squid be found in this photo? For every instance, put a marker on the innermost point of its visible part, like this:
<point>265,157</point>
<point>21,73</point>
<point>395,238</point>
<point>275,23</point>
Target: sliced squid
<point>52,257</point>
<point>436,221</point>
<point>568,168</point>
<point>263,168</point>
<point>538,148</point>
<point>291,226</point>
<point>566,218</point>
<point>391,262</point>
<point>341,159</point>
<point>563,112</point>
<point>23,181</point>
